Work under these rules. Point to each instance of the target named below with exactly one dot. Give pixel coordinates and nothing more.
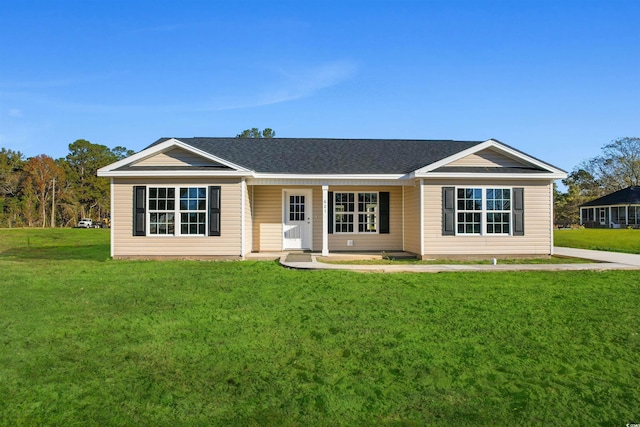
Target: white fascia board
(543, 175)
(166, 146)
(329, 177)
(491, 143)
(174, 173)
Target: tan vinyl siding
(176, 157)
(267, 219)
(486, 158)
(412, 218)
(372, 242)
(125, 244)
(537, 222)
(318, 218)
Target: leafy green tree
(27, 187)
(618, 166)
(256, 133)
(11, 177)
(82, 163)
(581, 188)
(42, 174)
(120, 153)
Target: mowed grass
(91, 341)
(603, 239)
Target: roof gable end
(169, 155)
(177, 157)
(490, 155)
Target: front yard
(91, 341)
(603, 239)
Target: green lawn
(603, 239)
(91, 341)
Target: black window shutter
(518, 211)
(330, 215)
(384, 212)
(448, 211)
(214, 210)
(139, 212)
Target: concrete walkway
(604, 261)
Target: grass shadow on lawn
(61, 244)
(60, 253)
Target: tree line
(617, 167)
(44, 192)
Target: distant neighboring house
(615, 210)
(228, 197)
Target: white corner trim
(243, 189)
(111, 228)
(325, 224)
(552, 218)
(421, 217)
(403, 223)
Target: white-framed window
(469, 210)
(355, 212)
(498, 210)
(177, 211)
(483, 211)
(588, 214)
(296, 208)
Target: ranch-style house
(229, 197)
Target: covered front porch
(610, 216)
(360, 219)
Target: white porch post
(421, 217)
(552, 243)
(580, 219)
(243, 190)
(111, 217)
(626, 215)
(325, 223)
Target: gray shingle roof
(626, 196)
(328, 156)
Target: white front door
(297, 224)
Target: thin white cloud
(288, 84)
(296, 84)
(15, 112)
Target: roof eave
(455, 175)
(259, 175)
(185, 173)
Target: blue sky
(556, 79)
